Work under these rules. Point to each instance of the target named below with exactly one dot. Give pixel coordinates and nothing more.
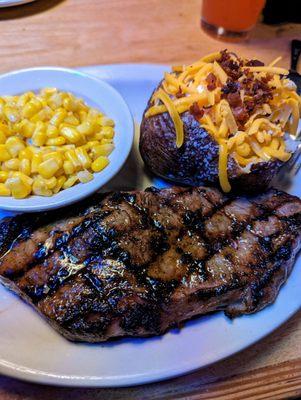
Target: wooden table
(85, 32)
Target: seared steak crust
(138, 263)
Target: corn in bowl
(49, 142)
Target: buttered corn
(49, 142)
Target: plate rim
(40, 377)
(13, 3)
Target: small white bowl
(95, 93)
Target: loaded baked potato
(224, 126)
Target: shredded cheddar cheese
(222, 165)
(220, 73)
(244, 105)
(268, 69)
(161, 95)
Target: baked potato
(197, 160)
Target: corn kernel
(83, 157)
(81, 105)
(97, 136)
(2, 137)
(36, 161)
(39, 136)
(48, 91)
(85, 128)
(82, 115)
(31, 108)
(30, 95)
(52, 131)
(58, 117)
(35, 150)
(4, 191)
(18, 188)
(8, 99)
(86, 147)
(91, 144)
(25, 166)
(4, 153)
(106, 141)
(56, 155)
(65, 148)
(72, 135)
(39, 187)
(59, 184)
(12, 164)
(102, 150)
(59, 172)
(56, 141)
(48, 168)
(84, 176)
(93, 114)
(28, 129)
(43, 115)
(3, 176)
(51, 183)
(99, 164)
(22, 100)
(24, 178)
(14, 145)
(12, 114)
(25, 154)
(68, 167)
(24, 128)
(105, 121)
(55, 101)
(71, 156)
(70, 181)
(69, 104)
(72, 120)
(108, 132)
(5, 129)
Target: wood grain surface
(87, 32)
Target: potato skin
(196, 162)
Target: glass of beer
(230, 19)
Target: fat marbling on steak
(138, 263)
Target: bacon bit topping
(239, 110)
(241, 115)
(196, 111)
(250, 105)
(211, 82)
(231, 67)
(256, 90)
(180, 93)
(234, 99)
(254, 63)
(230, 87)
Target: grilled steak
(138, 263)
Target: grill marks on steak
(138, 263)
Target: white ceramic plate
(95, 93)
(30, 349)
(10, 3)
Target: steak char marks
(138, 263)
